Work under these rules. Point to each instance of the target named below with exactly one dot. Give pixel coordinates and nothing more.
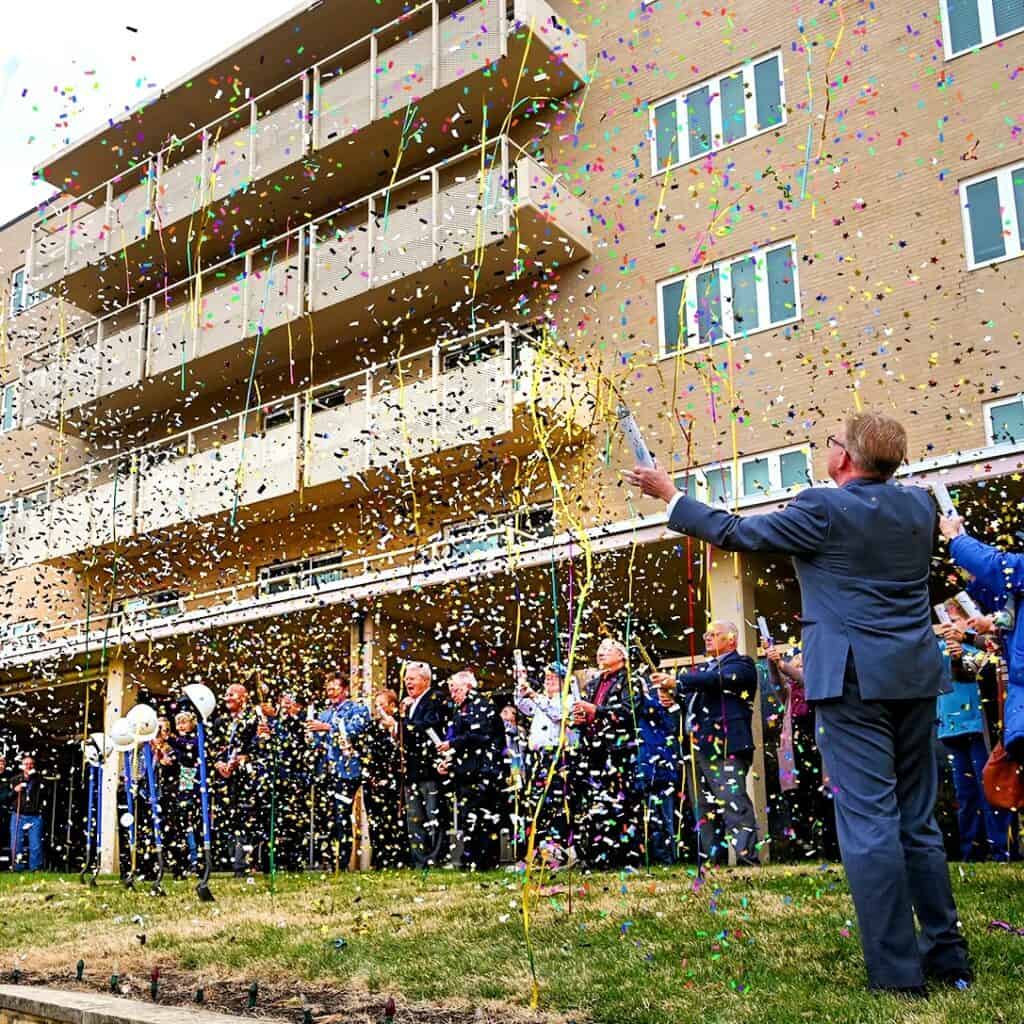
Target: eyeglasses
(833, 440)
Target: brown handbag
(1004, 781)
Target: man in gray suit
(862, 553)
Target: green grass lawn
(772, 946)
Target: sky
(66, 66)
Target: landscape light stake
(79, 970)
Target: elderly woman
(607, 719)
(382, 784)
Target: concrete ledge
(18, 1002)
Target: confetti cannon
(202, 699)
(97, 748)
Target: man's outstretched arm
(799, 528)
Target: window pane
(755, 477)
(794, 469)
(964, 26)
(1009, 15)
(987, 241)
(672, 317)
(1007, 422)
(720, 485)
(743, 275)
(781, 287)
(1018, 199)
(698, 120)
(709, 307)
(734, 115)
(687, 484)
(666, 134)
(768, 92)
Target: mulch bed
(283, 1000)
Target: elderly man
(425, 714)
(475, 743)
(27, 799)
(233, 755)
(862, 552)
(336, 730)
(716, 699)
(607, 719)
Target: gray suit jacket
(862, 554)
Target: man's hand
(314, 726)
(443, 748)
(954, 650)
(263, 730)
(655, 483)
(951, 526)
(222, 769)
(774, 654)
(19, 787)
(583, 711)
(268, 709)
(663, 680)
(442, 768)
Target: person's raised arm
(799, 528)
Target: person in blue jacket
(984, 830)
(337, 730)
(1002, 573)
(658, 771)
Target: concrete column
(731, 597)
(119, 696)
(368, 672)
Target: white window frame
(735, 467)
(1008, 211)
(713, 84)
(986, 22)
(22, 297)
(725, 289)
(12, 388)
(989, 407)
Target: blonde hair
(876, 443)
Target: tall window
(766, 475)
(729, 299)
(718, 112)
(968, 24)
(8, 406)
(993, 214)
(22, 297)
(1004, 421)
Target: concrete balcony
(331, 443)
(471, 221)
(384, 98)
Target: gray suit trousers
(880, 760)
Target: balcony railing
(139, 618)
(462, 393)
(374, 78)
(456, 209)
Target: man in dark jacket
(716, 700)
(476, 745)
(862, 552)
(233, 756)
(610, 824)
(425, 710)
